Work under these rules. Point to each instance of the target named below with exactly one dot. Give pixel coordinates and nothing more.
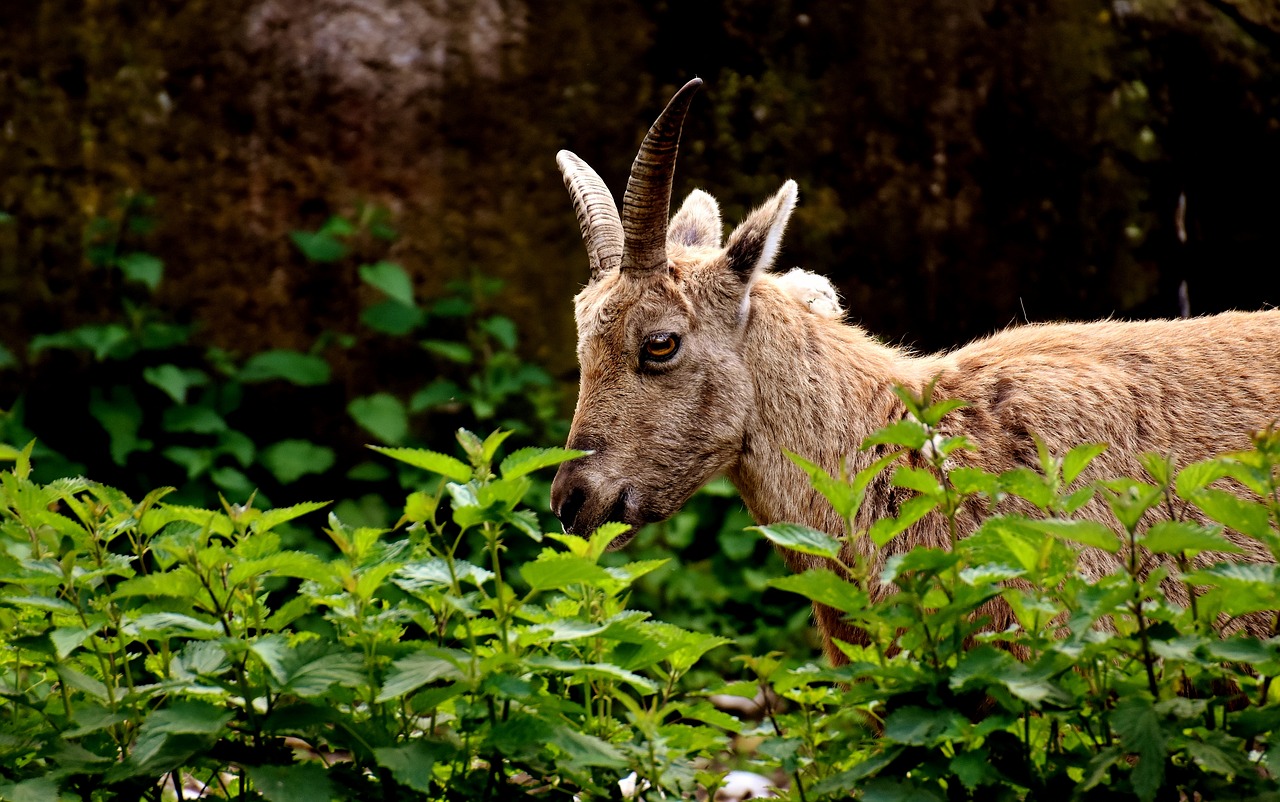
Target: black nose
(568, 510)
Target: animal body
(696, 359)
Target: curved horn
(646, 206)
(597, 213)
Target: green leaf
(155, 626)
(187, 717)
(1185, 537)
(548, 663)
(391, 279)
(302, 782)
(912, 510)
(907, 433)
(885, 789)
(528, 460)
(120, 414)
(918, 479)
(270, 519)
(304, 370)
(296, 564)
(1078, 458)
(1089, 533)
(313, 667)
(1138, 725)
(450, 350)
(583, 750)
(143, 268)
(416, 669)
(801, 538)
(197, 420)
(502, 329)
(444, 465)
(382, 415)
(174, 381)
(40, 789)
(918, 726)
(393, 318)
(824, 587)
(318, 246)
(552, 570)
(439, 392)
(1240, 514)
(413, 763)
(1199, 475)
(290, 460)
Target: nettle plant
(151, 650)
(1103, 690)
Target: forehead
(618, 301)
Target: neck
(821, 387)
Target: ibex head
(666, 392)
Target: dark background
(963, 165)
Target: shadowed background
(963, 166)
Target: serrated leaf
(1243, 515)
(1086, 532)
(301, 782)
(552, 570)
(825, 587)
(312, 668)
(1179, 537)
(801, 538)
(583, 750)
(528, 460)
(270, 519)
(1136, 722)
(416, 669)
(442, 464)
(296, 564)
(413, 763)
(592, 670)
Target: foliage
(152, 647)
(155, 401)
(1102, 690)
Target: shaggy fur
(760, 370)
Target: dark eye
(659, 347)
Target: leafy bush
(153, 647)
(1118, 693)
(143, 396)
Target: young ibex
(697, 360)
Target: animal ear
(697, 222)
(754, 244)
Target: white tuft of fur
(814, 291)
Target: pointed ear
(754, 244)
(697, 222)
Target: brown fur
(758, 372)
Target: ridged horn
(597, 213)
(646, 206)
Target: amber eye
(659, 347)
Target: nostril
(568, 512)
(618, 512)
